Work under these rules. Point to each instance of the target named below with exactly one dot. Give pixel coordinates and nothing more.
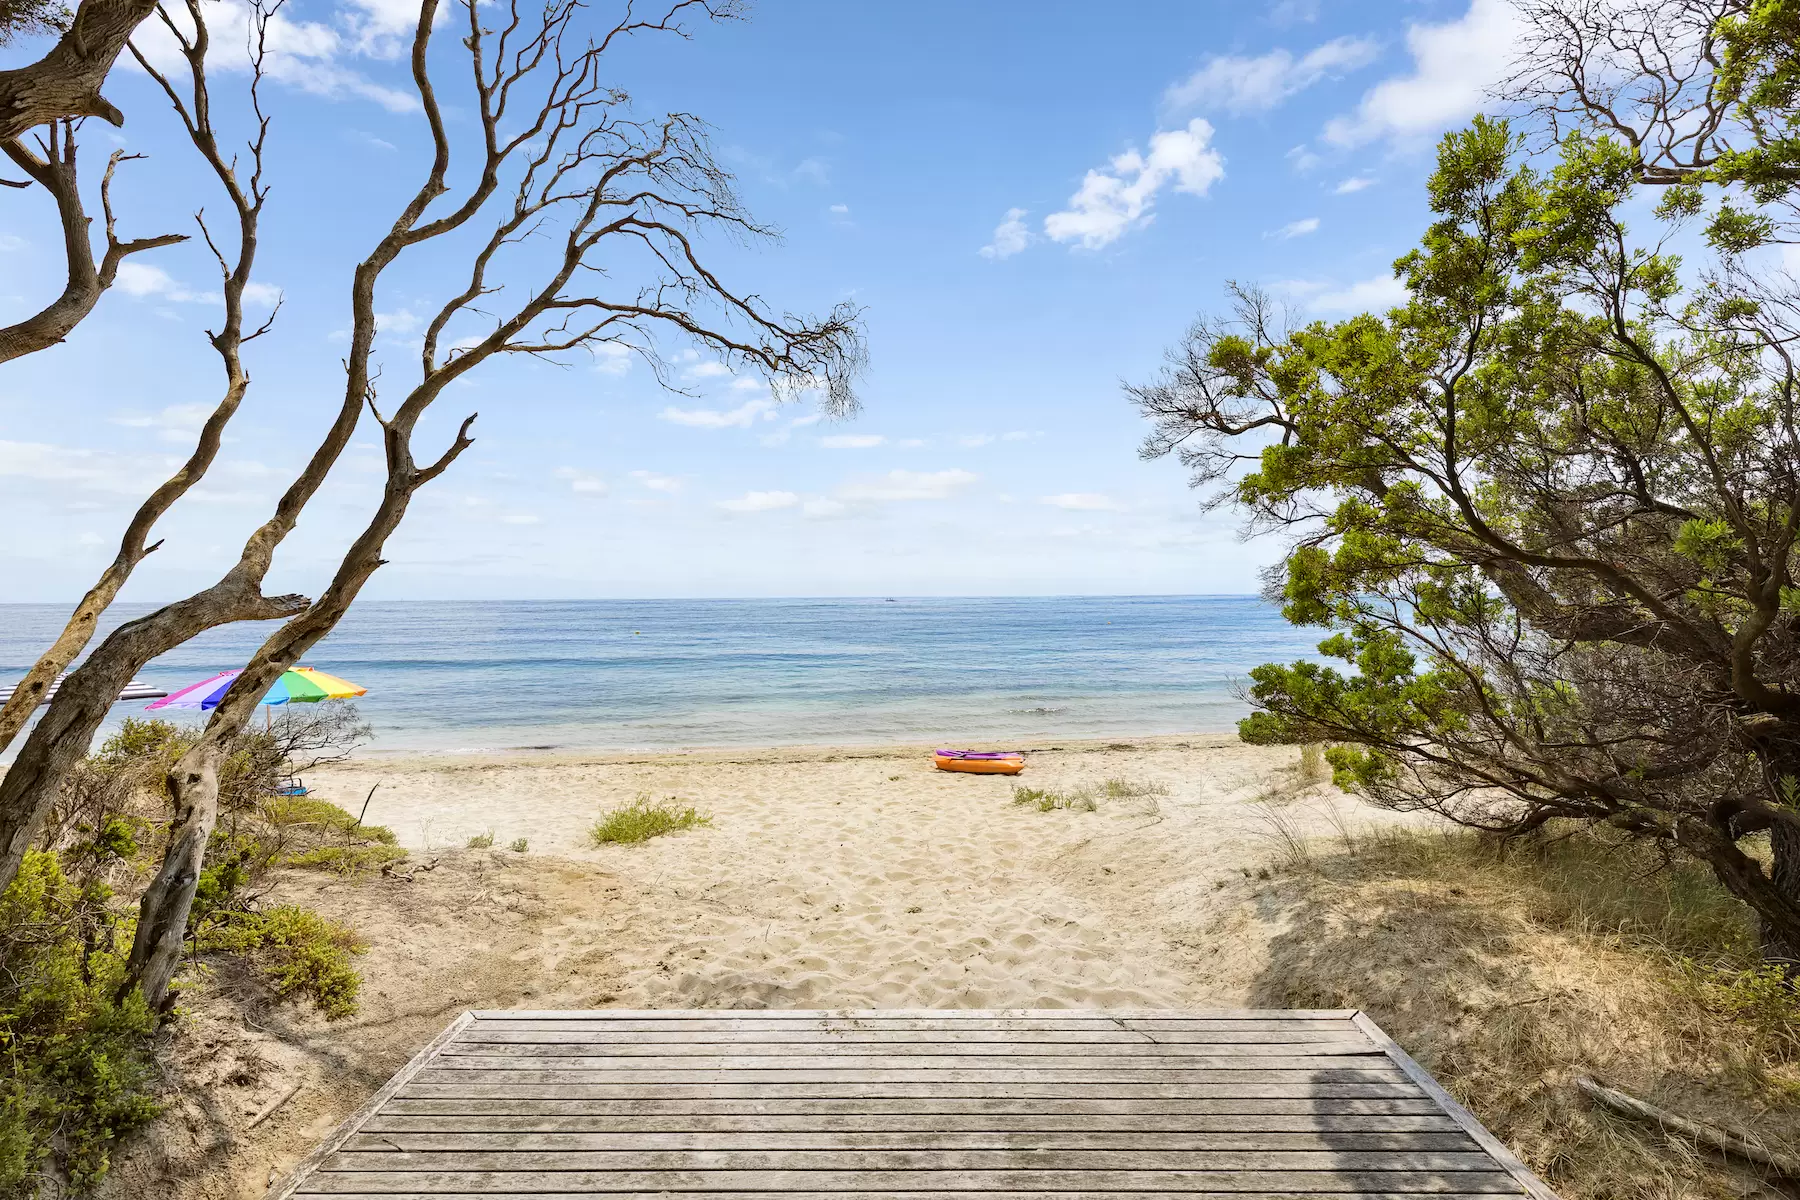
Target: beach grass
(1087, 797)
(481, 841)
(644, 819)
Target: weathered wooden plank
(305, 1167)
(936, 1195)
(1130, 1140)
(1074, 1024)
(946, 1015)
(888, 1182)
(1086, 1106)
(1049, 1090)
(1497, 1149)
(811, 1161)
(1100, 1035)
(728, 1071)
(1152, 1124)
(961, 1053)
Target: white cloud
(658, 483)
(1303, 159)
(9, 241)
(1375, 295)
(973, 440)
(741, 417)
(265, 294)
(706, 370)
(1010, 236)
(585, 482)
(824, 506)
(1355, 183)
(1113, 201)
(521, 519)
(1082, 502)
(83, 470)
(402, 322)
(910, 485)
(1454, 65)
(304, 54)
(1294, 229)
(749, 383)
(1242, 85)
(760, 502)
(611, 358)
(143, 280)
(1019, 435)
(842, 210)
(852, 441)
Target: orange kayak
(977, 762)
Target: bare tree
(1645, 71)
(52, 166)
(597, 183)
(246, 195)
(579, 192)
(66, 82)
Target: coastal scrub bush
(481, 841)
(644, 819)
(519, 846)
(297, 952)
(75, 1064)
(317, 833)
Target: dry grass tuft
(644, 819)
(1087, 797)
(1508, 970)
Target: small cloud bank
(751, 502)
(1010, 236)
(1117, 199)
(1294, 229)
(1240, 84)
(1082, 502)
(910, 485)
(1454, 65)
(741, 417)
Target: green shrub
(301, 812)
(643, 819)
(77, 1065)
(519, 846)
(481, 841)
(298, 952)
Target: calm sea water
(626, 674)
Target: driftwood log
(1725, 1139)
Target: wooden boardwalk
(933, 1104)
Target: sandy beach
(863, 877)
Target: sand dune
(865, 878)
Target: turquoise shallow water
(625, 674)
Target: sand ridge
(863, 877)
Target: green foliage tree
(1547, 510)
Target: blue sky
(1031, 202)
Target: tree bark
(66, 82)
(1773, 895)
(1781, 937)
(31, 785)
(87, 279)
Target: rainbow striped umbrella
(304, 685)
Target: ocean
(659, 674)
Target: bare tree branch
(55, 172)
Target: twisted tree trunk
(30, 786)
(66, 82)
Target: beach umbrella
(302, 685)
